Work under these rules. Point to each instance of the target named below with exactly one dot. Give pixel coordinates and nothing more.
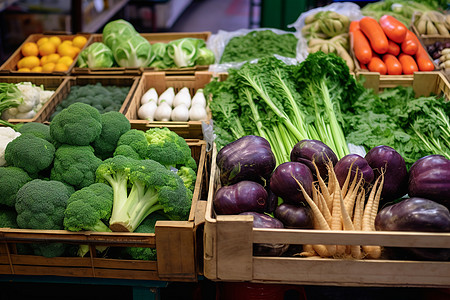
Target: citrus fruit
(44, 60)
(48, 67)
(67, 50)
(28, 62)
(24, 70)
(37, 69)
(54, 57)
(42, 40)
(47, 48)
(60, 67)
(79, 41)
(67, 60)
(67, 42)
(55, 40)
(29, 49)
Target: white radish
(197, 113)
(149, 95)
(180, 113)
(199, 98)
(163, 112)
(182, 97)
(167, 96)
(147, 111)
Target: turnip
(180, 113)
(197, 113)
(149, 95)
(167, 96)
(182, 97)
(163, 112)
(199, 98)
(147, 111)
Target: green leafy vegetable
(96, 55)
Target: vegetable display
(432, 23)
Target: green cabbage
(184, 51)
(134, 52)
(205, 57)
(116, 31)
(96, 55)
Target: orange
(79, 41)
(48, 67)
(37, 69)
(44, 60)
(67, 60)
(24, 70)
(55, 40)
(47, 48)
(28, 62)
(67, 42)
(30, 49)
(42, 40)
(54, 57)
(67, 50)
(60, 67)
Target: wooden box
(53, 83)
(122, 81)
(161, 81)
(228, 254)
(152, 38)
(176, 243)
(10, 66)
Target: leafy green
(96, 55)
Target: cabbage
(96, 55)
(134, 52)
(116, 31)
(205, 56)
(184, 51)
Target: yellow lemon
(56, 40)
(42, 40)
(47, 48)
(29, 49)
(24, 70)
(37, 69)
(60, 67)
(44, 60)
(67, 60)
(67, 42)
(28, 62)
(79, 41)
(67, 50)
(54, 57)
(48, 67)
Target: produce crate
(161, 81)
(54, 83)
(10, 66)
(176, 243)
(152, 38)
(48, 109)
(228, 254)
(424, 36)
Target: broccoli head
(31, 153)
(38, 129)
(89, 209)
(75, 165)
(132, 143)
(40, 204)
(188, 176)
(12, 179)
(79, 124)
(147, 226)
(8, 218)
(114, 124)
(140, 188)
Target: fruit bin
(53, 83)
(229, 239)
(152, 38)
(161, 81)
(122, 81)
(10, 65)
(176, 243)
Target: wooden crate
(424, 36)
(176, 243)
(10, 66)
(228, 254)
(122, 81)
(53, 83)
(152, 38)
(161, 81)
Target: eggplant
(395, 172)
(283, 184)
(240, 197)
(294, 216)
(429, 177)
(266, 221)
(247, 158)
(416, 214)
(272, 200)
(354, 161)
(307, 151)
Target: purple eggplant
(354, 161)
(395, 172)
(272, 200)
(294, 216)
(247, 158)
(266, 221)
(283, 184)
(307, 151)
(240, 197)
(429, 177)
(416, 214)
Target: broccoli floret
(136, 140)
(79, 124)
(89, 209)
(188, 176)
(40, 204)
(140, 188)
(127, 151)
(12, 179)
(8, 218)
(147, 226)
(31, 153)
(38, 129)
(75, 165)
(114, 124)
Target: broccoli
(114, 124)
(134, 139)
(12, 179)
(159, 144)
(75, 165)
(8, 218)
(126, 150)
(31, 153)
(88, 209)
(152, 187)
(147, 226)
(38, 129)
(188, 176)
(79, 124)
(40, 204)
